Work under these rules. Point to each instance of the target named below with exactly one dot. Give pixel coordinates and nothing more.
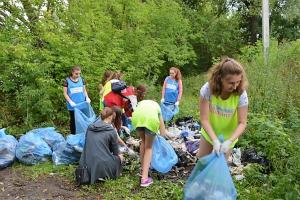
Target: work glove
(225, 146)
(88, 100)
(162, 100)
(177, 103)
(72, 103)
(217, 146)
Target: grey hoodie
(101, 152)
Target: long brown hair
(118, 119)
(141, 91)
(178, 75)
(106, 77)
(227, 66)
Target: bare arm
(121, 142)
(242, 122)
(66, 94)
(163, 90)
(85, 92)
(101, 89)
(180, 90)
(162, 128)
(204, 118)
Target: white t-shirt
(205, 93)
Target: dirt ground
(14, 186)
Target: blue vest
(171, 90)
(75, 92)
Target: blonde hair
(227, 66)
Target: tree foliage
(41, 40)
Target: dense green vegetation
(143, 39)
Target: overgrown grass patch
(33, 172)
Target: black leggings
(72, 122)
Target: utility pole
(265, 25)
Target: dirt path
(14, 186)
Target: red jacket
(115, 99)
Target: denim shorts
(145, 130)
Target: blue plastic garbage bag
(64, 154)
(8, 145)
(49, 135)
(84, 116)
(2, 132)
(210, 180)
(168, 110)
(32, 149)
(163, 155)
(76, 141)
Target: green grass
(125, 187)
(33, 172)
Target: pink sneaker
(146, 182)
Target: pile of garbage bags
(41, 144)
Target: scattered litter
(174, 132)
(128, 151)
(236, 156)
(239, 177)
(251, 156)
(132, 141)
(192, 146)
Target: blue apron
(171, 90)
(75, 92)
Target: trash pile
(240, 160)
(184, 136)
(38, 145)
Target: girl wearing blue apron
(172, 88)
(74, 93)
